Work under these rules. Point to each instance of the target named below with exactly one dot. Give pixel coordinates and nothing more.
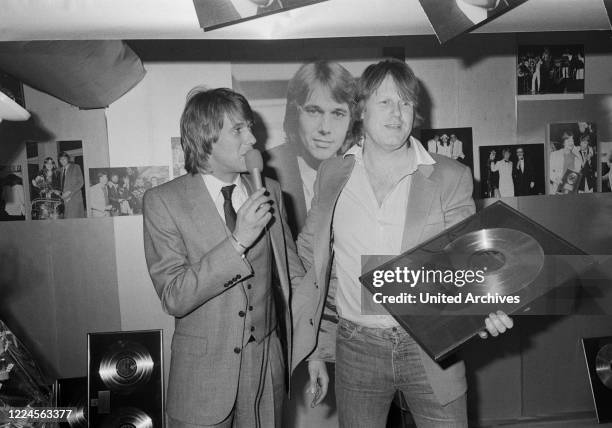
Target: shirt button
(252, 328)
(237, 350)
(241, 313)
(249, 286)
(250, 308)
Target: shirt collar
(214, 185)
(419, 155)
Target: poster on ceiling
(213, 14)
(450, 18)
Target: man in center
(383, 196)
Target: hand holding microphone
(255, 213)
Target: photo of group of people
(507, 171)
(119, 191)
(12, 195)
(572, 158)
(455, 143)
(554, 69)
(55, 173)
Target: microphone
(254, 163)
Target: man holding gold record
(383, 196)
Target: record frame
(441, 331)
(602, 394)
(108, 402)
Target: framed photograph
(12, 195)
(515, 170)
(572, 146)
(455, 143)
(12, 88)
(214, 14)
(55, 176)
(550, 69)
(450, 18)
(606, 166)
(119, 191)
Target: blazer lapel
(420, 198)
(329, 194)
(203, 210)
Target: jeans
(371, 364)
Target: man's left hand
(495, 324)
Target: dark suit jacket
(73, 183)
(522, 179)
(440, 196)
(199, 278)
(282, 165)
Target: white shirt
(361, 226)
(308, 176)
(214, 185)
(246, 8)
(445, 150)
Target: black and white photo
(450, 18)
(55, 175)
(119, 191)
(219, 13)
(572, 146)
(454, 143)
(12, 196)
(512, 170)
(550, 69)
(303, 116)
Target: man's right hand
(252, 217)
(319, 381)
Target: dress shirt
(362, 226)
(214, 185)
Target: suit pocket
(188, 345)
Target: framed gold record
(522, 268)
(598, 356)
(125, 379)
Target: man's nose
(250, 139)
(324, 124)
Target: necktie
(228, 208)
(63, 177)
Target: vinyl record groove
(603, 365)
(125, 366)
(510, 258)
